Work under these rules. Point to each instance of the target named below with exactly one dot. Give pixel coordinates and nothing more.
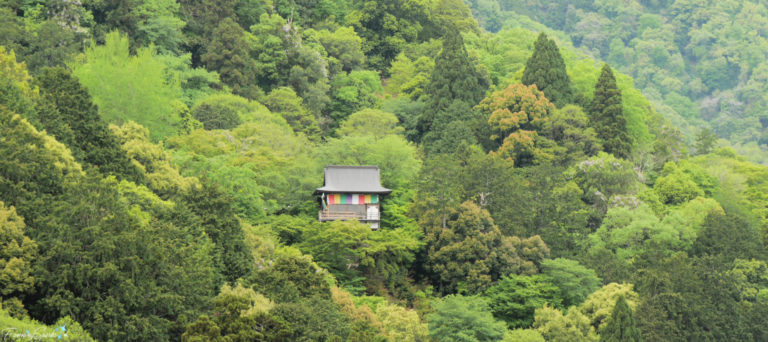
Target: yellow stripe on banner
(367, 198)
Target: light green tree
(17, 253)
(575, 281)
(515, 298)
(126, 87)
(370, 122)
(401, 324)
(285, 102)
(458, 318)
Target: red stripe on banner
(361, 199)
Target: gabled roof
(352, 179)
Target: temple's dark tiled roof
(352, 179)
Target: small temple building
(352, 193)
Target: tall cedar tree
(546, 69)
(228, 54)
(79, 124)
(231, 256)
(202, 17)
(454, 79)
(607, 115)
(621, 326)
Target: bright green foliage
(285, 102)
(575, 281)
(395, 157)
(268, 46)
(344, 48)
(607, 116)
(705, 141)
(290, 278)
(387, 26)
(409, 78)
(126, 87)
(689, 217)
(196, 83)
(92, 142)
(19, 96)
(228, 54)
(515, 298)
(454, 14)
(162, 177)
(17, 328)
(470, 253)
(458, 318)
(677, 187)
(365, 325)
(349, 249)
(515, 116)
(239, 314)
(546, 69)
(158, 24)
(288, 229)
(569, 127)
(401, 324)
(312, 12)
(353, 92)
(17, 253)
(17, 76)
(31, 176)
(741, 185)
(455, 87)
(263, 166)
(751, 278)
(283, 59)
(703, 179)
(370, 122)
(602, 177)
(571, 327)
(620, 326)
(627, 232)
(523, 335)
(599, 305)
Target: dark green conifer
(621, 326)
(456, 86)
(217, 217)
(607, 115)
(74, 120)
(228, 54)
(546, 69)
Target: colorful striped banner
(353, 198)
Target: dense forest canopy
(560, 171)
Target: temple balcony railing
(324, 215)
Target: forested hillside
(561, 171)
(702, 63)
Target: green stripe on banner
(374, 199)
(343, 199)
